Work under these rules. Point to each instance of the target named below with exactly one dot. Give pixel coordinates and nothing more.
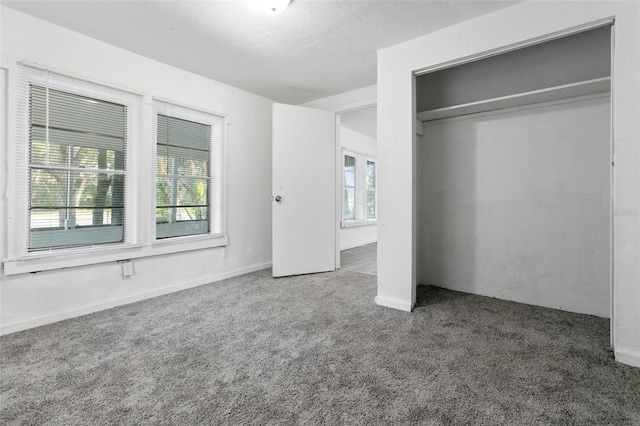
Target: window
(77, 175)
(82, 174)
(349, 210)
(188, 150)
(371, 189)
(359, 189)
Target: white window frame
(19, 222)
(361, 190)
(46, 241)
(217, 167)
(139, 205)
(355, 186)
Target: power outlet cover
(127, 268)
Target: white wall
(356, 236)
(341, 102)
(506, 28)
(358, 142)
(32, 299)
(514, 205)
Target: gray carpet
(316, 350)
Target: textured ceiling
(311, 50)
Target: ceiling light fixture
(274, 6)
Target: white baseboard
(48, 319)
(394, 303)
(629, 356)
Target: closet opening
(514, 174)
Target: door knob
(278, 198)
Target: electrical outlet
(127, 268)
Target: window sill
(353, 223)
(69, 258)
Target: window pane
(55, 218)
(184, 228)
(349, 195)
(163, 214)
(349, 171)
(371, 190)
(63, 199)
(192, 192)
(349, 178)
(162, 164)
(371, 174)
(177, 192)
(182, 190)
(192, 167)
(371, 204)
(69, 207)
(76, 113)
(62, 188)
(55, 151)
(177, 132)
(349, 200)
(349, 211)
(349, 161)
(41, 238)
(191, 213)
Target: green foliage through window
(183, 177)
(77, 169)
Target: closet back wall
(514, 205)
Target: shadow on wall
(427, 295)
(447, 204)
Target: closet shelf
(572, 90)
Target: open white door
(304, 190)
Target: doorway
(357, 189)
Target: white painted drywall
(33, 299)
(356, 236)
(357, 142)
(352, 99)
(514, 205)
(490, 33)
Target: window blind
(189, 172)
(72, 141)
(77, 169)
